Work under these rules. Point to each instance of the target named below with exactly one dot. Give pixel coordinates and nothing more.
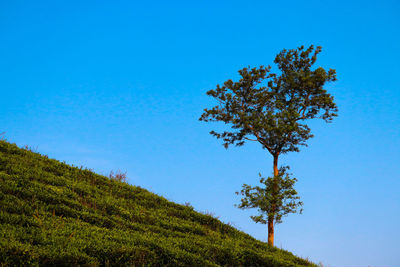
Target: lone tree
(273, 109)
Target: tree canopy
(273, 108)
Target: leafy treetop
(271, 108)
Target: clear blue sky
(120, 85)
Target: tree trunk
(276, 172)
(271, 231)
(273, 208)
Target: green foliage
(271, 108)
(53, 214)
(275, 199)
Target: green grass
(55, 214)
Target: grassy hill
(55, 214)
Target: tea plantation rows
(53, 214)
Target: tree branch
(303, 110)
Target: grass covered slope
(55, 214)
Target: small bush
(2, 137)
(117, 176)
